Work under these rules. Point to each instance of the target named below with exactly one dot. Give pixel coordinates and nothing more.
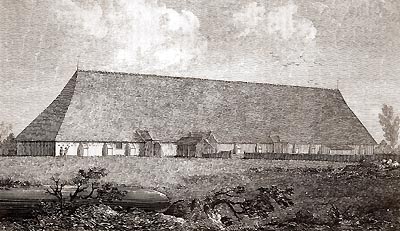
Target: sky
(352, 45)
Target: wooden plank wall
(36, 148)
(223, 155)
(319, 157)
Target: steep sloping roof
(110, 106)
(275, 139)
(144, 135)
(190, 140)
(46, 126)
(196, 137)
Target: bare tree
(390, 125)
(57, 191)
(87, 188)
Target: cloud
(281, 31)
(282, 21)
(248, 18)
(292, 36)
(77, 18)
(138, 35)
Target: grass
(142, 172)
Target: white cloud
(281, 21)
(281, 30)
(141, 35)
(292, 36)
(88, 20)
(248, 18)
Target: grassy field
(155, 173)
(318, 186)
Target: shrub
(87, 189)
(7, 183)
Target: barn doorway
(157, 149)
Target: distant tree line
(390, 123)
(8, 144)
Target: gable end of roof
(46, 125)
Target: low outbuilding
(196, 144)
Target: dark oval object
(18, 201)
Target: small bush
(8, 182)
(88, 189)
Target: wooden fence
(320, 157)
(222, 154)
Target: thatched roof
(46, 126)
(107, 106)
(189, 140)
(194, 138)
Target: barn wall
(241, 148)
(244, 148)
(225, 147)
(341, 152)
(325, 150)
(317, 149)
(135, 148)
(199, 149)
(300, 149)
(148, 149)
(281, 148)
(305, 149)
(266, 148)
(360, 150)
(180, 150)
(357, 150)
(71, 148)
(96, 148)
(169, 149)
(116, 151)
(205, 148)
(364, 149)
(35, 148)
(247, 147)
(261, 147)
(185, 150)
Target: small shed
(196, 144)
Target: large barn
(107, 113)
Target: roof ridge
(74, 78)
(203, 78)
